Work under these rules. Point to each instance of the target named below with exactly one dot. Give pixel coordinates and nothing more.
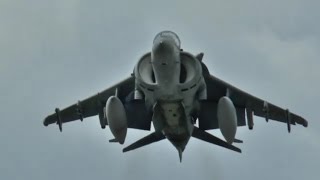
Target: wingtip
(305, 124)
(236, 149)
(45, 122)
(126, 149)
(302, 121)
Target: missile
(249, 113)
(288, 117)
(266, 110)
(102, 118)
(79, 111)
(59, 121)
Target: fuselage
(171, 83)
(169, 88)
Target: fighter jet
(173, 89)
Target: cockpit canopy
(167, 35)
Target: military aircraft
(173, 89)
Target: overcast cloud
(53, 53)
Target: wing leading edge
(94, 105)
(243, 101)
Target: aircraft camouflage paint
(173, 89)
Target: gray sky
(53, 53)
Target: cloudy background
(53, 53)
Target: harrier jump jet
(172, 89)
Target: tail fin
(151, 138)
(202, 135)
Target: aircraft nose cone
(161, 46)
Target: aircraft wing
(94, 105)
(243, 101)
